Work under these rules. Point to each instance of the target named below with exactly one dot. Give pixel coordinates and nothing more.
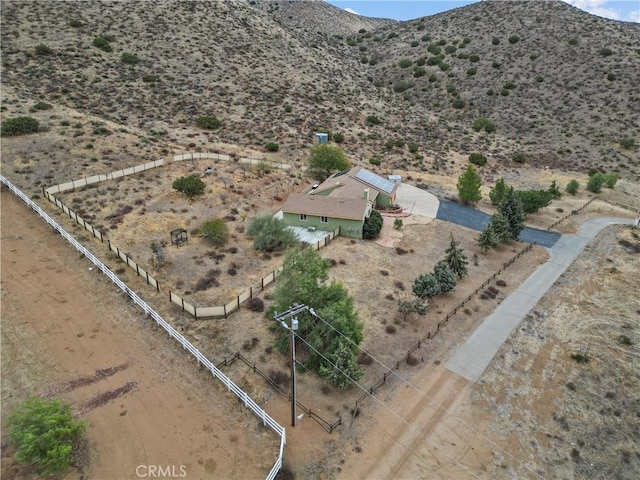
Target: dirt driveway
(68, 333)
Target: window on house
(324, 219)
(303, 217)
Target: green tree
(216, 231)
(595, 182)
(501, 228)
(326, 159)
(425, 286)
(513, 211)
(572, 187)
(191, 186)
(304, 280)
(345, 368)
(445, 276)
(270, 234)
(610, 179)
(372, 226)
(498, 192)
(487, 239)
(456, 259)
(534, 200)
(469, 184)
(44, 433)
(19, 126)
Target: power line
(408, 424)
(437, 404)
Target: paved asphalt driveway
(476, 353)
(477, 220)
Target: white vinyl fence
(248, 402)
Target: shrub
(191, 186)
(510, 85)
(444, 66)
(504, 92)
(255, 304)
(514, 39)
(272, 147)
(373, 120)
(75, 23)
(580, 357)
(610, 179)
(42, 106)
(539, 79)
(474, 58)
(421, 61)
(628, 143)
(496, 64)
(44, 434)
(572, 187)
(495, 41)
(446, 278)
(215, 231)
(402, 85)
(478, 159)
(19, 126)
(43, 50)
(425, 38)
(459, 103)
(338, 137)
(433, 61)
(374, 161)
(102, 44)
(129, 58)
(405, 63)
(595, 182)
(426, 286)
(419, 72)
(372, 226)
(270, 234)
(208, 122)
(534, 200)
(611, 77)
(519, 157)
(605, 52)
(450, 49)
(481, 123)
(472, 71)
(150, 78)
(573, 41)
(397, 224)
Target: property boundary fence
(186, 345)
(196, 312)
(328, 426)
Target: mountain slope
(564, 94)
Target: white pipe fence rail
(244, 397)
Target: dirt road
(68, 333)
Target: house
(343, 200)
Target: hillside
(563, 93)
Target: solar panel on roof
(375, 180)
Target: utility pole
(292, 313)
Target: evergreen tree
(456, 259)
(513, 211)
(445, 276)
(498, 192)
(501, 228)
(426, 286)
(487, 239)
(469, 184)
(554, 191)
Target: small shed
(322, 137)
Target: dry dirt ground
(67, 333)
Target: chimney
(365, 194)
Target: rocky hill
(558, 85)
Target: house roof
(330, 206)
(351, 184)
